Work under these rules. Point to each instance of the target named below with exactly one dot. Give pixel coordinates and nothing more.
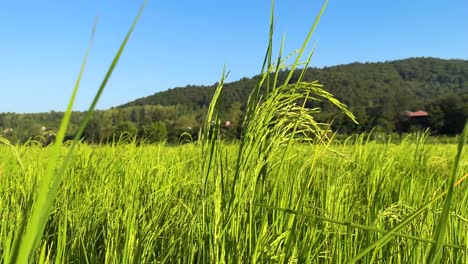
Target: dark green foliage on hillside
(449, 113)
(154, 132)
(377, 94)
(125, 130)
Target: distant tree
(92, 130)
(234, 114)
(154, 132)
(105, 132)
(125, 131)
(450, 113)
(135, 115)
(437, 117)
(186, 121)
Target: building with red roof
(418, 113)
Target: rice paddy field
(316, 203)
(284, 193)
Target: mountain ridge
(406, 71)
(378, 94)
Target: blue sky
(187, 42)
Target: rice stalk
(49, 184)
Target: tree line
(377, 93)
(148, 124)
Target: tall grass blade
(355, 225)
(305, 43)
(39, 210)
(389, 235)
(47, 191)
(439, 236)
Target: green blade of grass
(50, 183)
(359, 226)
(389, 235)
(305, 43)
(39, 213)
(14, 151)
(439, 236)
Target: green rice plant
(275, 118)
(38, 208)
(434, 255)
(144, 203)
(284, 193)
(440, 233)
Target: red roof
(418, 113)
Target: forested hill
(410, 82)
(375, 92)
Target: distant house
(410, 121)
(417, 114)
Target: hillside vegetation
(377, 94)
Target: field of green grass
(282, 194)
(319, 204)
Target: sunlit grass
(145, 204)
(283, 193)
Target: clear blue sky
(187, 42)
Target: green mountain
(377, 93)
(358, 84)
